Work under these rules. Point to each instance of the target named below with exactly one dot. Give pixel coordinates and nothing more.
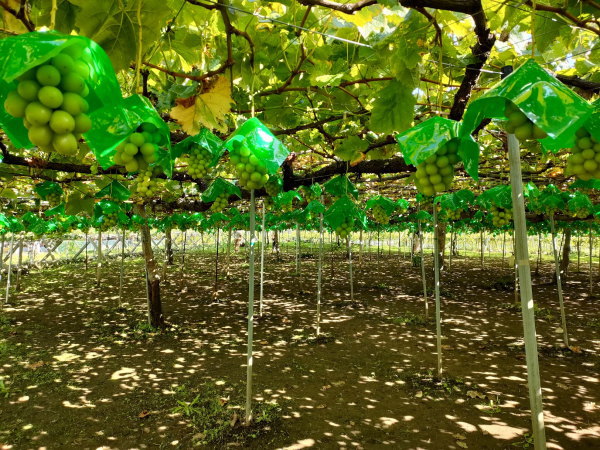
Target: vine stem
(561, 302)
(53, 14)
(436, 268)
(138, 63)
(249, 356)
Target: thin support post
(438, 314)
(19, 265)
(215, 290)
(12, 244)
(249, 356)
(99, 259)
(350, 267)
(423, 276)
(297, 248)
(561, 303)
(320, 271)
(591, 273)
(527, 305)
(122, 269)
(263, 243)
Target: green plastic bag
(425, 139)
(388, 205)
(115, 122)
(261, 142)
(339, 186)
(284, 201)
(218, 187)
(547, 102)
(344, 210)
(58, 210)
(48, 188)
(500, 196)
(549, 200)
(580, 205)
(204, 141)
(315, 207)
(115, 191)
(18, 54)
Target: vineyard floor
(78, 372)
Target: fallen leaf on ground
(234, 419)
(461, 444)
(475, 394)
(459, 437)
(575, 349)
(144, 414)
(419, 394)
(36, 365)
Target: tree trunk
(566, 256)
(19, 267)
(155, 313)
(169, 246)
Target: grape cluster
(584, 161)
(500, 216)
(198, 163)
(250, 171)
(139, 150)
(50, 98)
(220, 202)
(380, 215)
(273, 187)
(345, 228)
(453, 214)
(109, 220)
(581, 213)
(520, 125)
(309, 195)
(146, 185)
(53, 198)
(436, 173)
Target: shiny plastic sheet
(218, 187)
(20, 53)
(205, 140)
(261, 142)
(547, 102)
(425, 139)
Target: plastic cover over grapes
(340, 211)
(341, 185)
(114, 123)
(547, 102)
(388, 205)
(425, 139)
(47, 188)
(261, 142)
(18, 54)
(206, 140)
(218, 187)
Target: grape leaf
(393, 109)
(205, 110)
(351, 148)
(114, 25)
(79, 203)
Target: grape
(453, 214)
(15, 105)
(581, 213)
(50, 100)
(109, 220)
(500, 216)
(436, 173)
(220, 202)
(519, 124)
(308, 193)
(53, 198)
(146, 185)
(135, 152)
(380, 215)
(584, 161)
(343, 230)
(250, 171)
(198, 162)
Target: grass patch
(216, 417)
(412, 319)
(540, 313)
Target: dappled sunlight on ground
(82, 373)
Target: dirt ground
(79, 373)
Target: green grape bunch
(146, 185)
(220, 202)
(584, 160)
(436, 173)
(109, 220)
(51, 100)
(379, 215)
(54, 198)
(273, 187)
(501, 216)
(250, 171)
(453, 214)
(139, 150)
(580, 213)
(344, 229)
(520, 125)
(198, 162)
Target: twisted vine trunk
(169, 246)
(155, 313)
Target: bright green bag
(18, 54)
